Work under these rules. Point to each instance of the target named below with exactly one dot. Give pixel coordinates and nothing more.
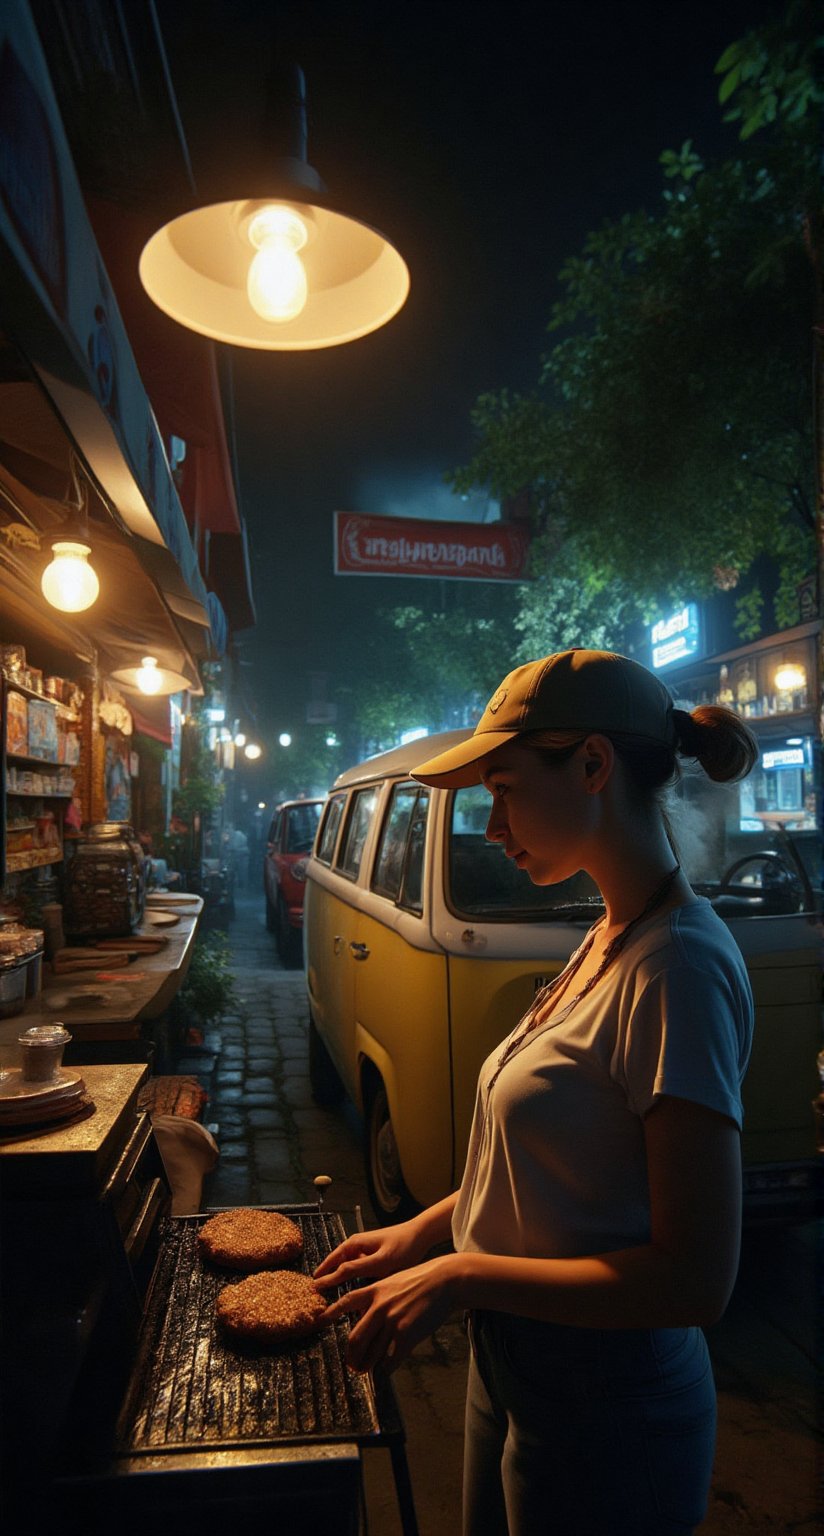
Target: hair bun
(724, 746)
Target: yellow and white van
(424, 944)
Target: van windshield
(483, 882)
(748, 862)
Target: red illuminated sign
(401, 546)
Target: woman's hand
(395, 1313)
(371, 1255)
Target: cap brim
(461, 765)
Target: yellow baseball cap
(575, 690)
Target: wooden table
(134, 999)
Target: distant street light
(285, 739)
(252, 751)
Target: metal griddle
(192, 1390)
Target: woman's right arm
(372, 1255)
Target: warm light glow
(285, 739)
(240, 739)
(277, 285)
(790, 678)
(70, 583)
(261, 805)
(196, 269)
(149, 679)
(252, 751)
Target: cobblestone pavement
(274, 1140)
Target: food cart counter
(107, 1006)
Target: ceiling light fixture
(151, 680)
(69, 582)
(281, 271)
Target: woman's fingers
(352, 1301)
(345, 1250)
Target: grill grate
(191, 1390)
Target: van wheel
(387, 1191)
(271, 920)
(327, 1089)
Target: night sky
(486, 140)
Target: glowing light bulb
(252, 751)
(240, 739)
(276, 286)
(285, 739)
(149, 679)
(70, 583)
(790, 678)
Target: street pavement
(274, 1140)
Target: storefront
(82, 456)
(774, 685)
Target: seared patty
(268, 1308)
(247, 1239)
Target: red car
(291, 835)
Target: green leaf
(729, 57)
(729, 84)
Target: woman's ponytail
(724, 746)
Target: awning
(58, 308)
(179, 370)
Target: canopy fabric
(152, 717)
(178, 369)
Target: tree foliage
(668, 441)
(435, 663)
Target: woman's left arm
(684, 1275)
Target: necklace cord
(612, 949)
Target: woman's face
(541, 811)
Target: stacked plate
(26, 1103)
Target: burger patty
(248, 1239)
(268, 1308)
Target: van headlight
(299, 869)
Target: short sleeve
(689, 1035)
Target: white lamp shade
(161, 680)
(69, 582)
(196, 269)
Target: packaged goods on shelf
(42, 730)
(17, 724)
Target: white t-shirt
(556, 1166)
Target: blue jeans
(586, 1432)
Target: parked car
(291, 835)
(423, 946)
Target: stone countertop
(131, 996)
(76, 1156)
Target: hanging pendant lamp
(279, 270)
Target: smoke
(421, 493)
(699, 813)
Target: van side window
(412, 892)
(329, 830)
(361, 809)
(386, 879)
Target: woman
(597, 1225)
